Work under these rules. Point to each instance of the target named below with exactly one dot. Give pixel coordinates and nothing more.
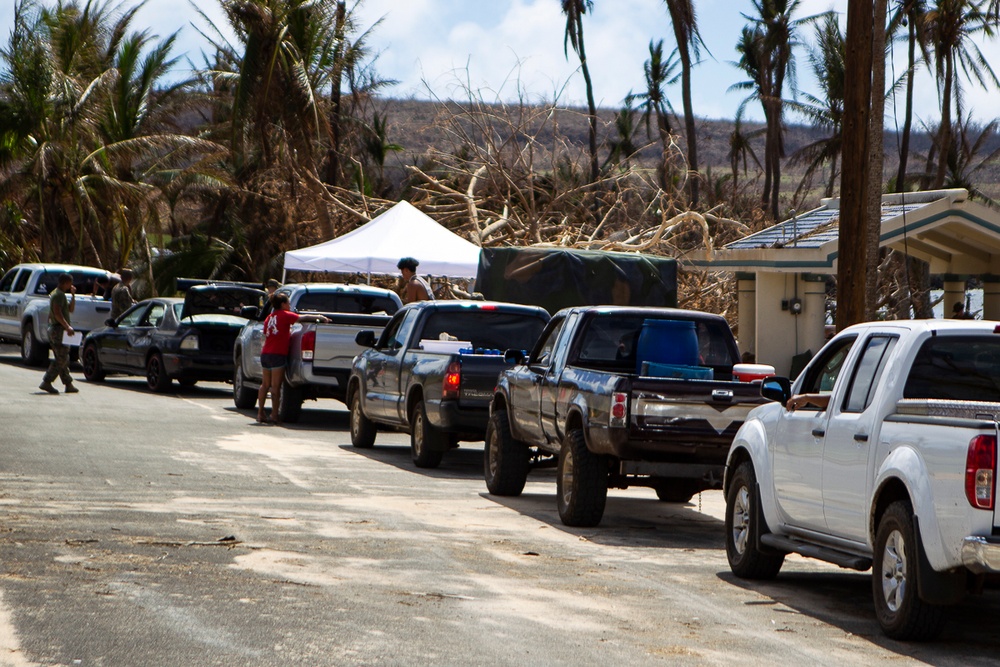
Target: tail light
(452, 380)
(619, 409)
(308, 345)
(980, 472)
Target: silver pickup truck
(320, 355)
(24, 305)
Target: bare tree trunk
(852, 260)
(876, 157)
(904, 143)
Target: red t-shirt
(277, 331)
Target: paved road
(171, 530)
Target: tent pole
(284, 274)
(369, 277)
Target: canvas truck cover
(556, 278)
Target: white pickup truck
(892, 467)
(24, 305)
(320, 355)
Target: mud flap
(937, 587)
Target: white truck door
(11, 304)
(851, 442)
(800, 438)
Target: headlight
(189, 342)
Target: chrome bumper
(981, 555)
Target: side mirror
(110, 322)
(777, 389)
(514, 357)
(365, 338)
(250, 312)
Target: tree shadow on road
(843, 599)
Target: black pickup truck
(433, 371)
(623, 397)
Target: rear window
(83, 281)
(611, 343)
(486, 328)
(351, 304)
(961, 368)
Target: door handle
(818, 432)
(861, 437)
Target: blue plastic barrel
(672, 342)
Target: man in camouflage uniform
(121, 295)
(60, 307)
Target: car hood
(219, 299)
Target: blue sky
(432, 47)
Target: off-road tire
(363, 430)
(505, 460)
(427, 444)
(290, 406)
(900, 611)
(677, 489)
(743, 531)
(243, 396)
(156, 374)
(91, 362)
(33, 351)
(581, 482)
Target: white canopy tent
(377, 246)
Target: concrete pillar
(991, 298)
(812, 321)
(746, 312)
(781, 334)
(954, 291)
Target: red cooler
(752, 372)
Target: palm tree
(952, 27)
(767, 54)
(83, 138)
(825, 111)
(574, 11)
(682, 17)
(623, 145)
(740, 148)
(654, 103)
(910, 13)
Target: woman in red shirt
(274, 353)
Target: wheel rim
(355, 418)
(153, 372)
(894, 571)
(418, 431)
(567, 478)
(741, 520)
(27, 346)
(238, 382)
(89, 362)
(494, 455)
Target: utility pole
(852, 260)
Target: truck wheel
(900, 611)
(581, 483)
(33, 351)
(243, 396)
(676, 489)
(362, 429)
(427, 444)
(156, 374)
(290, 406)
(505, 460)
(746, 560)
(92, 369)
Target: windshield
(488, 329)
(208, 318)
(83, 280)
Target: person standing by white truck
(881, 455)
(61, 308)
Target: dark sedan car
(187, 339)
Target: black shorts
(273, 361)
